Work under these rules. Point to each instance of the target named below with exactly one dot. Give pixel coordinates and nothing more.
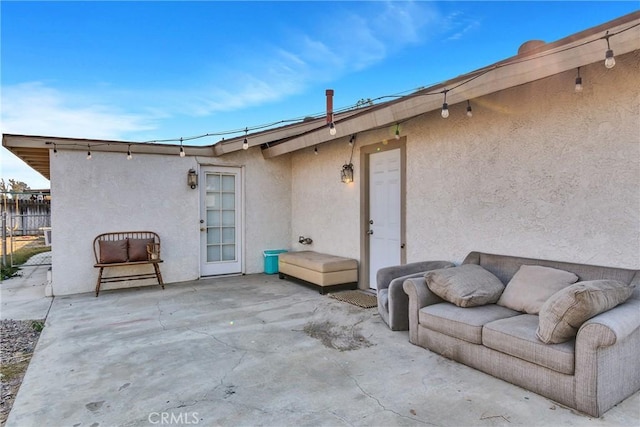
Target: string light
(245, 143)
(609, 60)
(55, 149)
(420, 91)
(397, 130)
(445, 107)
(469, 109)
(129, 156)
(315, 151)
(578, 82)
(352, 139)
(332, 129)
(88, 152)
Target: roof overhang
(578, 50)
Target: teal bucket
(271, 260)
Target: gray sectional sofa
(591, 372)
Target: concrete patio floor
(256, 350)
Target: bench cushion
(315, 261)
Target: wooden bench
(127, 249)
(329, 272)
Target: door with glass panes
(221, 214)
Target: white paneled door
(220, 220)
(385, 213)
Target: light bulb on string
(469, 109)
(445, 107)
(315, 151)
(245, 143)
(129, 156)
(397, 131)
(578, 87)
(332, 129)
(182, 153)
(55, 149)
(88, 152)
(609, 60)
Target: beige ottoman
(329, 272)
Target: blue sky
(141, 71)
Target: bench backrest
(122, 235)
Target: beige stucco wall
(323, 207)
(149, 192)
(538, 171)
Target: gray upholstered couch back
(504, 267)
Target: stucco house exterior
(538, 171)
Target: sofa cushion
(113, 251)
(563, 314)
(516, 336)
(463, 323)
(316, 261)
(465, 286)
(532, 285)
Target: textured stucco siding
(323, 207)
(149, 192)
(538, 171)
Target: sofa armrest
(607, 362)
(419, 296)
(385, 275)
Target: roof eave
(569, 53)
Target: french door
(221, 220)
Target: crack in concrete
(384, 408)
(160, 316)
(216, 339)
(341, 418)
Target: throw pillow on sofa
(563, 314)
(468, 285)
(532, 285)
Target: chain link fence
(26, 228)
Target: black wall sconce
(192, 178)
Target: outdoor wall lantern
(347, 173)
(192, 178)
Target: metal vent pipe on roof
(329, 93)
